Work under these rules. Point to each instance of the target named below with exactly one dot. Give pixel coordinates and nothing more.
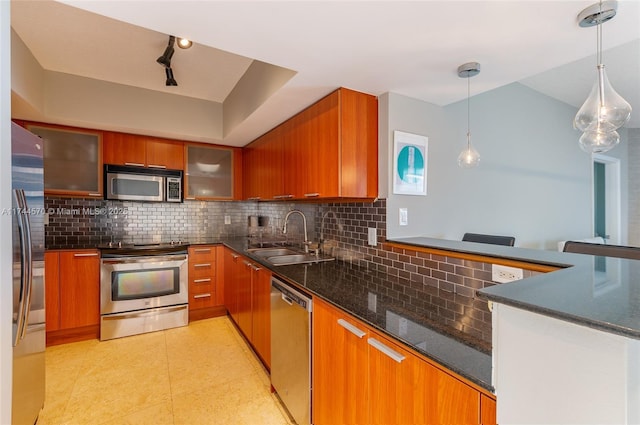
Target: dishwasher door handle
(286, 299)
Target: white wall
(533, 181)
(6, 296)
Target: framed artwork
(409, 164)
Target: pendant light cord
(468, 112)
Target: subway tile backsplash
(412, 278)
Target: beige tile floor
(200, 374)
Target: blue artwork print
(410, 165)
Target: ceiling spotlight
(165, 59)
(170, 80)
(183, 43)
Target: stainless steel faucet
(304, 224)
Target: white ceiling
(408, 47)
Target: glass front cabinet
(72, 160)
(209, 172)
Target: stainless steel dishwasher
(291, 349)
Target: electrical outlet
(372, 301)
(404, 216)
(504, 274)
(372, 236)
(227, 219)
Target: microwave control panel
(174, 189)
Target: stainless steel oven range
(143, 288)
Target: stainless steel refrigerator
(28, 276)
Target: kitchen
(395, 103)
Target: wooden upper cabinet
(142, 151)
(327, 151)
(72, 159)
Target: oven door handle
(154, 311)
(149, 259)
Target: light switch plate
(404, 216)
(372, 236)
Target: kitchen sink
(285, 260)
(271, 252)
(287, 256)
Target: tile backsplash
(411, 277)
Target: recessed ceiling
(412, 48)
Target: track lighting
(170, 80)
(165, 59)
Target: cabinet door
(262, 313)
(232, 262)
(321, 149)
(79, 289)
(124, 149)
(165, 154)
(403, 387)
(72, 160)
(202, 277)
(340, 367)
(52, 290)
(487, 410)
(209, 172)
(245, 319)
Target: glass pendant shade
(604, 110)
(469, 157)
(598, 141)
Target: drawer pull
(202, 250)
(202, 296)
(202, 265)
(253, 198)
(386, 350)
(93, 254)
(283, 196)
(348, 326)
(157, 166)
(95, 194)
(312, 195)
(206, 279)
(135, 164)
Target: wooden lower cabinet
(72, 291)
(362, 376)
(206, 293)
(247, 299)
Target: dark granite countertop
(353, 288)
(598, 292)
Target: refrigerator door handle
(26, 256)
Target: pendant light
(469, 157)
(604, 111)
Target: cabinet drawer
(202, 284)
(202, 270)
(199, 300)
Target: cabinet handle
(202, 296)
(157, 166)
(312, 195)
(253, 198)
(283, 196)
(95, 194)
(93, 254)
(192, 198)
(202, 250)
(386, 350)
(202, 265)
(348, 326)
(255, 268)
(235, 257)
(208, 279)
(135, 164)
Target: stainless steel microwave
(126, 183)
